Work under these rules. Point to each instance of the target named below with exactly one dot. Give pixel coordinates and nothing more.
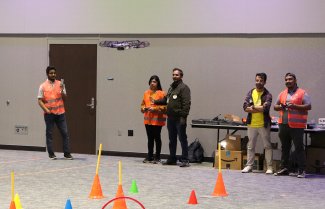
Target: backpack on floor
(195, 152)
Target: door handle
(92, 103)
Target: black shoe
(68, 156)
(169, 162)
(156, 161)
(147, 160)
(282, 172)
(184, 163)
(52, 156)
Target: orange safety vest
(296, 118)
(158, 117)
(52, 97)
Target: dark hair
(262, 75)
(50, 68)
(290, 74)
(155, 77)
(180, 71)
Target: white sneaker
(247, 169)
(269, 171)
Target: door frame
(66, 40)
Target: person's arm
(265, 107)
(143, 107)
(63, 91)
(278, 106)
(42, 105)
(306, 104)
(40, 97)
(162, 101)
(248, 105)
(186, 101)
(268, 102)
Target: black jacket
(178, 100)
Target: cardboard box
(258, 162)
(233, 142)
(315, 160)
(229, 160)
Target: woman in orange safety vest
(154, 118)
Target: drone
(122, 45)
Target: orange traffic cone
(96, 190)
(192, 200)
(120, 203)
(12, 205)
(219, 189)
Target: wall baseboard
(24, 148)
(111, 153)
(143, 155)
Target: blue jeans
(60, 121)
(175, 128)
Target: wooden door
(77, 65)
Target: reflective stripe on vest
(153, 118)
(296, 118)
(52, 97)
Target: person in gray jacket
(178, 100)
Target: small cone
(68, 205)
(96, 190)
(192, 200)
(17, 202)
(119, 203)
(134, 188)
(12, 205)
(219, 189)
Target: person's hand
(265, 104)
(283, 106)
(290, 105)
(143, 109)
(182, 121)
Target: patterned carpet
(47, 184)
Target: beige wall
(219, 71)
(161, 16)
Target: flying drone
(122, 45)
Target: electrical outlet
(22, 130)
(130, 132)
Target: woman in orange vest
(154, 118)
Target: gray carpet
(47, 184)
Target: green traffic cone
(134, 188)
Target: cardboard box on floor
(315, 160)
(229, 160)
(233, 142)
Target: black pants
(288, 135)
(154, 135)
